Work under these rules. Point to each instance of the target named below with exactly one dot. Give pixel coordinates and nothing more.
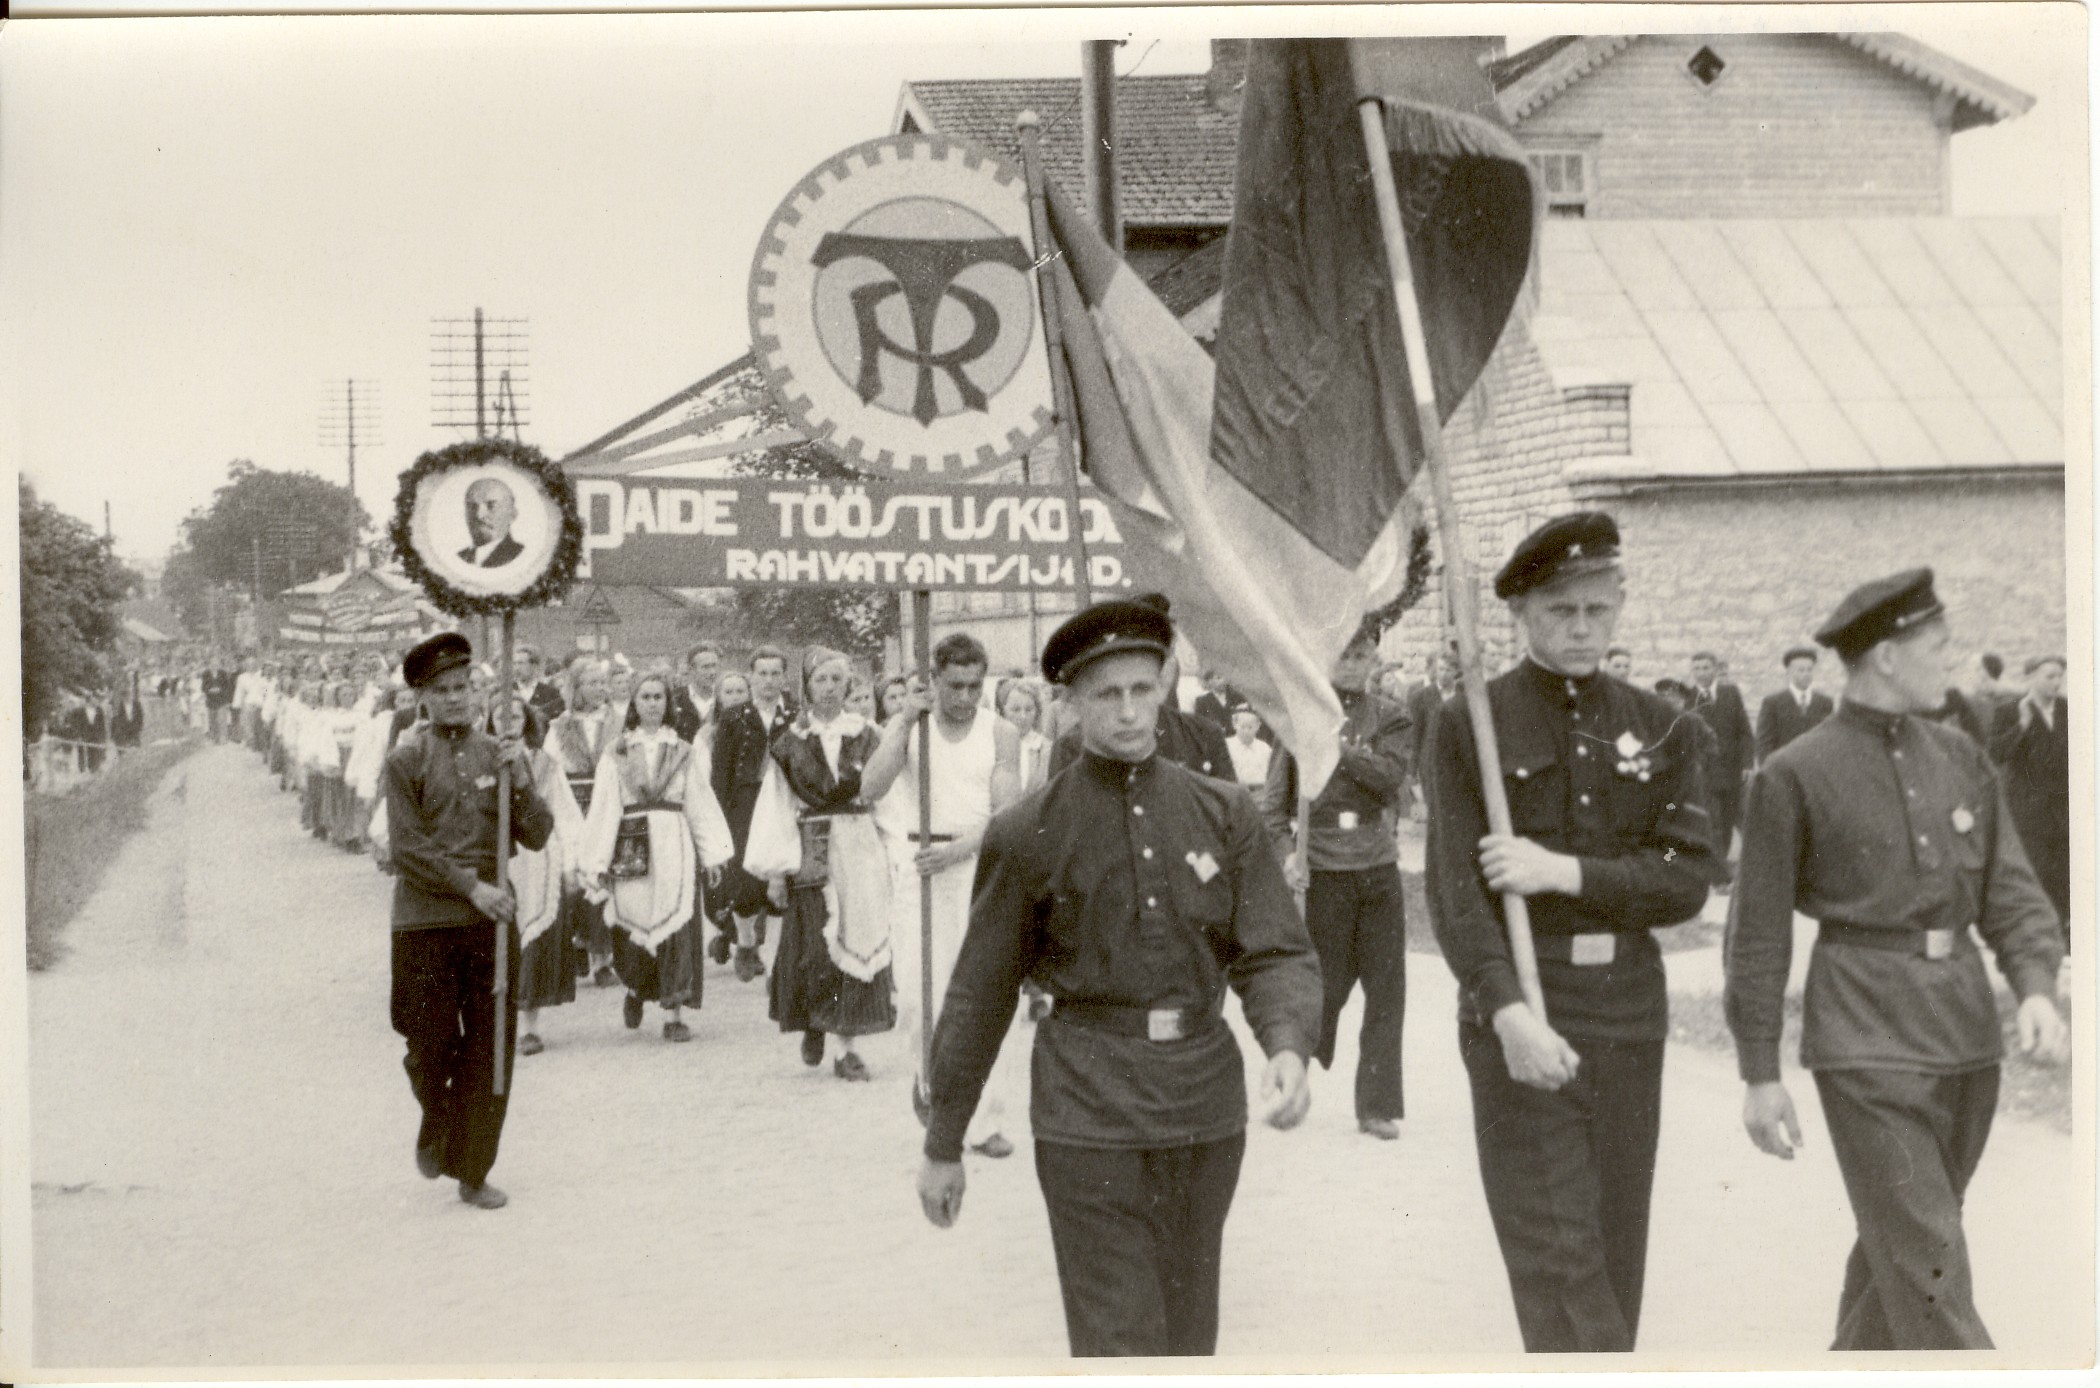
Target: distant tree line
(72, 585)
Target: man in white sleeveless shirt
(976, 770)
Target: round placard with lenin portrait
(488, 526)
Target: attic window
(1706, 67)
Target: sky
(208, 224)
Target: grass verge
(73, 838)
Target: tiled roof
(1177, 149)
(1775, 347)
(1529, 79)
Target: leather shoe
(718, 947)
(677, 1031)
(812, 1048)
(483, 1196)
(529, 1044)
(429, 1163)
(1384, 1129)
(748, 964)
(849, 1067)
(996, 1146)
(605, 977)
(631, 1010)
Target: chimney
(1227, 75)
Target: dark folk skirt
(808, 992)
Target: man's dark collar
(1556, 683)
(1878, 720)
(451, 730)
(1114, 771)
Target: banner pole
(1030, 127)
(501, 710)
(922, 642)
(1458, 571)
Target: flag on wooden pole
(1269, 496)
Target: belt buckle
(1163, 1024)
(1346, 820)
(1939, 944)
(1599, 947)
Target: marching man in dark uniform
(1195, 743)
(1133, 891)
(1353, 902)
(1892, 832)
(1611, 841)
(440, 784)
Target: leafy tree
(71, 585)
(855, 621)
(273, 530)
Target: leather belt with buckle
(1588, 950)
(1152, 1023)
(1344, 820)
(1901, 939)
(931, 838)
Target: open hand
(1768, 1116)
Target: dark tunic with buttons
(1597, 769)
(1145, 886)
(1882, 820)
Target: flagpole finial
(1027, 119)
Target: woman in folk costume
(328, 739)
(654, 824)
(740, 905)
(368, 749)
(579, 740)
(299, 753)
(544, 882)
(814, 840)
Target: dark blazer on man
(2037, 764)
(1722, 708)
(685, 716)
(505, 551)
(1209, 706)
(1781, 719)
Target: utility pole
(346, 420)
(466, 355)
(1097, 86)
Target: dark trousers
(444, 1006)
(1359, 926)
(1908, 1143)
(1138, 1236)
(1568, 1174)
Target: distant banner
(747, 532)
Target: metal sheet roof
(1768, 347)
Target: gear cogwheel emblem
(893, 309)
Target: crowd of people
(668, 815)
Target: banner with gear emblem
(893, 310)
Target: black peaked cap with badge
(1873, 612)
(1564, 546)
(426, 660)
(1106, 628)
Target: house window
(1565, 175)
(1706, 67)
